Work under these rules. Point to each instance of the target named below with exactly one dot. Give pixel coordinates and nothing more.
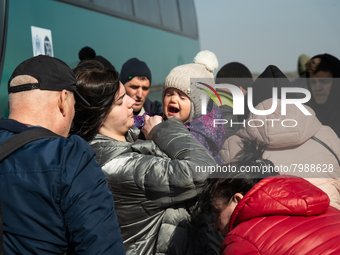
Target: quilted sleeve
(237, 245)
(180, 175)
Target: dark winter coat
(154, 107)
(154, 184)
(54, 197)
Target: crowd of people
(90, 165)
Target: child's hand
(150, 122)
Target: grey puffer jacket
(153, 185)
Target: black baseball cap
(52, 74)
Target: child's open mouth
(173, 110)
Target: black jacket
(154, 107)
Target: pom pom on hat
(208, 59)
(201, 70)
(86, 53)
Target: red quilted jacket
(283, 216)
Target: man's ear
(63, 102)
(237, 197)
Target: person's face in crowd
(223, 211)
(321, 84)
(138, 89)
(120, 119)
(176, 103)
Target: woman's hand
(150, 122)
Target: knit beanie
(187, 77)
(271, 77)
(87, 53)
(132, 68)
(235, 73)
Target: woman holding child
(153, 181)
(185, 96)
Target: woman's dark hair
(237, 181)
(98, 87)
(87, 64)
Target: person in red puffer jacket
(273, 215)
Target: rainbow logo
(208, 92)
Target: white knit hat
(183, 78)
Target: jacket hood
(286, 195)
(272, 77)
(281, 131)
(328, 113)
(335, 63)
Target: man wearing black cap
(53, 193)
(136, 77)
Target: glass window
(147, 10)
(122, 6)
(172, 15)
(169, 11)
(188, 17)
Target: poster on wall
(42, 41)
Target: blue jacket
(54, 195)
